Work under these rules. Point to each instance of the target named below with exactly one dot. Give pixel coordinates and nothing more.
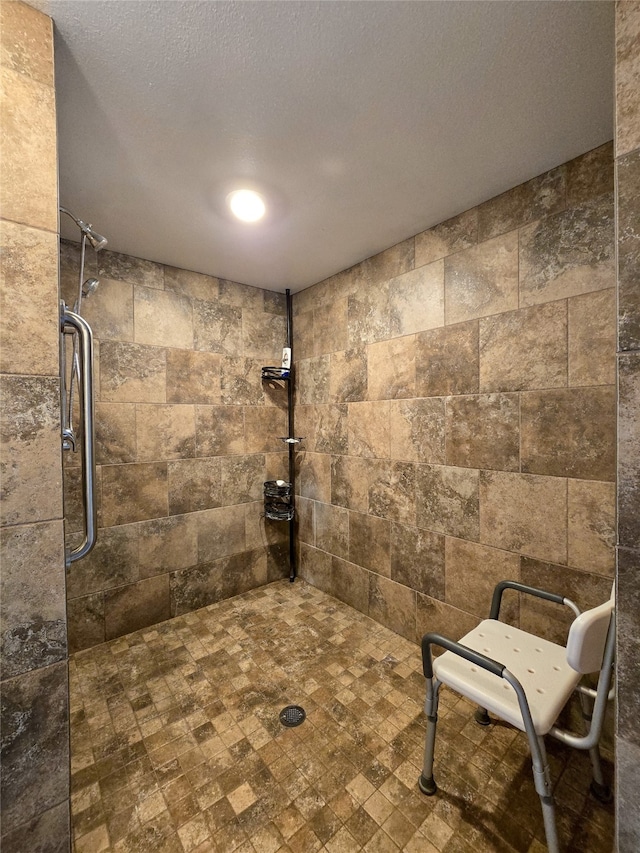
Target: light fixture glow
(246, 205)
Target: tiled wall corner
(628, 374)
(186, 434)
(35, 695)
(459, 410)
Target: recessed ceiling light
(246, 205)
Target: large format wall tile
(567, 254)
(242, 478)
(219, 430)
(391, 369)
(471, 573)
(628, 644)
(524, 513)
(627, 76)
(167, 544)
(482, 280)
(447, 500)
(569, 433)
(392, 604)
(417, 559)
(590, 175)
(138, 605)
(112, 562)
(49, 832)
(350, 482)
(329, 331)
(195, 285)
(592, 338)
(109, 310)
(416, 299)
(629, 449)
(418, 430)
(332, 524)
(29, 168)
(115, 431)
(369, 542)
(538, 197)
(30, 449)
(29, 337)
(314, 476)
(454, 235)
(165, 432)
(629, 249)
(524, 349)
(134, 270)
(217, 327)
(447, 361)
(85, 621)
(134, 492)
(26, 42)
(435, 616)
(348, 376)
(350, 583)
(163, 318)
(130, 373)
(483, 431)
(240, 382)
(392, 490)
(35, 744)
(193, 377)
(194, 484)
(592, 531)
(368, 430)
(32, 603)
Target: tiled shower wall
(628, 199)
(186, 434)
(35, 694)
(457, 397)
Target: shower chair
(526, 681)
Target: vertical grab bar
(85, 347)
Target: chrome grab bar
(70, 320)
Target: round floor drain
(292, 716)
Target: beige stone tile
(305, 520)
(483, 431)
(628, 211)
(332, 529)
(350, 583)
(29, 191)
(447, 500)
(416, 299)
(368, 314)
(134, 492)
(627, 76)
(217, 327)
(569, 432)
(219, 430)
(303, 330)
(590, 175)
(368, 429)
(312, 380)
(391, 368)
(221, 532)
(241, 382)
(264, 428)
(438, 617)
(547, 619)
(85, 622)
(592, 338)
(534, 199)
(388, 264)
(369, 542)
(315, 567)
(193, 377)
(163, 318)
(592, 526)
(418, 430)
(394, 605)
(113, 562)
(524, 513)
(165, 432)
(26, 42)
(628, 450)
(350, 482)
(130, 373)
(30, 462)
(167, 544)
(242, 478)
(482, 280)
(348, 375)
(330, 333)
(115, 430)
(32, 600)
(195, 285)
(263, 335)
(417, 559)
(454, 235)
(313, 476)
(127, 268)
(109, 310)
(447, 361)
(29, 337)
(524, 349)
(569, 253)
(392, 490)
(331, 429)
(241, 295)
(472, 571)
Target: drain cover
(292, 716)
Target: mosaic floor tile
(178, 748)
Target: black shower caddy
(279, 495)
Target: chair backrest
(587, 637)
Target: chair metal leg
(542, 781)
(426, 781)
(482, 718)
(599, 788)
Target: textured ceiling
(362, 123)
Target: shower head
(97, 240)
(90, 286)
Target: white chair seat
(540, 666)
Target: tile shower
(418, 488)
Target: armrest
(529, 590)
(465, 652)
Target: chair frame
(593, 717)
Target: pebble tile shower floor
(177, 746)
